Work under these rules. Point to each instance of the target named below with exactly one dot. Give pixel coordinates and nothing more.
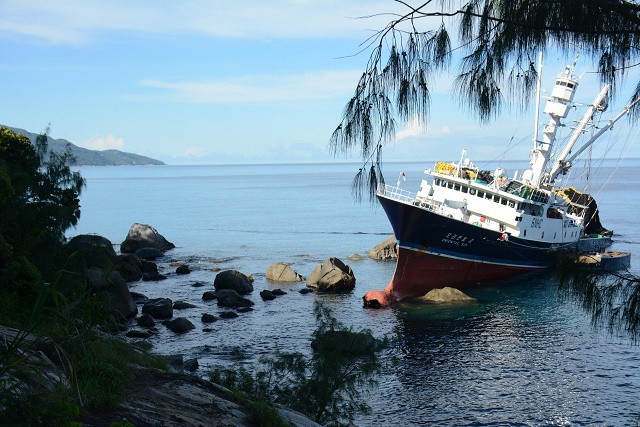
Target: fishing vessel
(466, 226)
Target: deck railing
(396, 193)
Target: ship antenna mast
(537, 119)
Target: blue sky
(207, 82)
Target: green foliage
(496, 47)
(329, 386)
(39, 201)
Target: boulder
(160, 308)
(148, 266)
(282, 272)
(144, 236)
(139, 298)
(228, 315)
(355, 257)
(332, 276)
(233, 280)
(153, 276)
(180, 325)
(209, 295)
(94, 250)
(183, 269)
(146, 321)
(129, 267)
(208, 318)
(386, 250)
(231, 299)
(149, 254)
(278, 292)
(112, 283)
(445, 294)
(181, 305)
(267, 295)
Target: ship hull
(435, 251)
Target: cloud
(82, 21)
(261, 89)
(412, 128)
(191, 152)
(100, 143)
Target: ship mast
(557, 107)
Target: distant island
(85, 157)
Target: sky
(221, 81)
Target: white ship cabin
(503, 205)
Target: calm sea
(521, 355)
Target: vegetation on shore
(56, 326)
(327, 386)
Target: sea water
(523, 354)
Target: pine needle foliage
(612, 299)
(496, 43)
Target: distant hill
(85, 157)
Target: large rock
(445, 294)
(112, 283)
(144, 236)
(231, 299)
(129, 267)
(282, 272)
(332, 276)
(233, 280)
(93, 250)
(160, 308)
(386, 250)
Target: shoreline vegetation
(94, 377)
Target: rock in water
(233, 280)
(231, 299)
(386, 250)
(180, 325)
(446, 294)
(332, 276)
(160, 308)
(282, 272)
(267, 295)
(144, 236)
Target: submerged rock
(231, 299)
(267, 295)
(208, 318)
(180, 325)
(445, 294)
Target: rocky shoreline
(187, 399)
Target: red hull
(418, 272)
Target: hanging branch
(498, 39)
